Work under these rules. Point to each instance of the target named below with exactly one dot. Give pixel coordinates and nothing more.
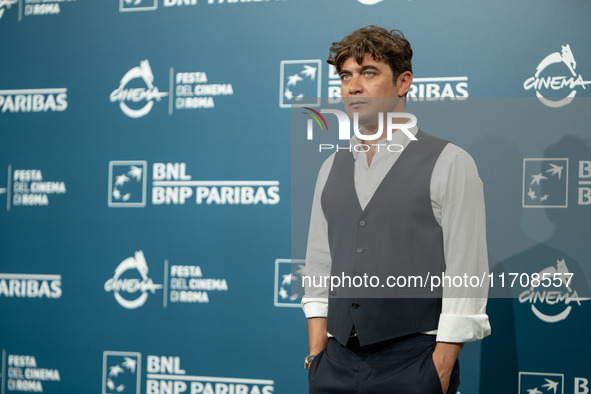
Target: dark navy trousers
(402, 365)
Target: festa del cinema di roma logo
(123, 283)
(5, 4)
(131, 97)
(540, 83)
(553, 303)
(48, 7)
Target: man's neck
(371, 130)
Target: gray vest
(396, 234)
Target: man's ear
(403, 83)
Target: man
(391, 211)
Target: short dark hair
(381, 44)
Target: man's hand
(444, 358)
(317, 337)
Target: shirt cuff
(462, 328)
(315, 307)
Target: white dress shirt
(457, 200)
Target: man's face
(368, 88)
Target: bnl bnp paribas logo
(545, 183)
(173, 185)
(552, 87)
(33, 100)
(137, 5)
(549, 383)
(541, 383)
(300, 85)
(127, 183)
(288, 283)
(121, 372)
(151, 5)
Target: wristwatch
(308, 361)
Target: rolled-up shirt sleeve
(318, 261)
(458, 204)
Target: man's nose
(355, 86)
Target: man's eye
(345, 77)
(369, 73)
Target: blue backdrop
(145, 185)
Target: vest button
(354, 305)
(362, 223)
(359, 250)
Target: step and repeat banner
(145, 185)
